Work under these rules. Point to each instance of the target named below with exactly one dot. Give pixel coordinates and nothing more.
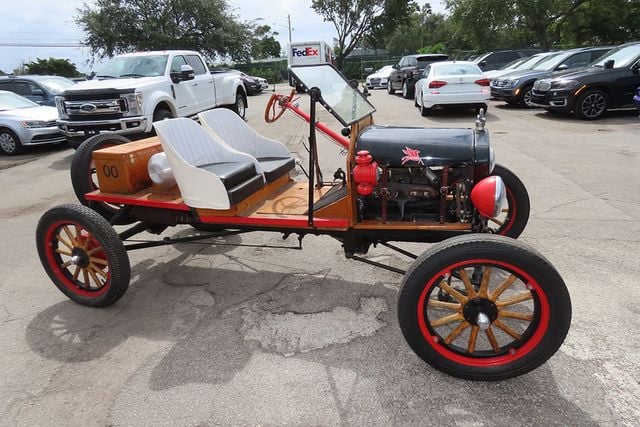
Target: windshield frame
(324, 103)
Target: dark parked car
(408, 71)
(494, 60)
(636, 98)
(251, 84)
(609, 83)
(515, 87)
(39, 89)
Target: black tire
(424, 111)
(161, 114)
(591, 105)
(515, 219)
(407, 93)
(83, 174)
(75, 141)
(525, 97)
(240, 106)
(100, 255)
(390, 89)
(10, 144)
(541, 298)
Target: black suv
(515, 87)
(607, 84)
(39, 89)
(407, 72)
(495, 60)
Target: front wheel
(591, 105)
(10, 143)
(83, 255)
(390, 89)
(525, 97)
(483, 307)
(513, 218)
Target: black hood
(585, 73)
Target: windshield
(552, 61)
(531, 61)
(338, 97)
(134, 66)
(56, 85)
(623, 56)
(11, 101)
(513, 64)
(385, 69)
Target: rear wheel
(83, 175)
(83, 255)
(424, 111)
(483, 307)
(406, 91)
(513, 219)
(240, 105)
(10, 143)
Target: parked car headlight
(62, 112)
(134, 103)
(34, 124)
(513, 83)
(565, 84)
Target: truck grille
(95, 108)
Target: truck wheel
(514, 217)
(162, 114)
(10, 143)
(83, 175)
(483, 307)
(83, 255)
(240, 106)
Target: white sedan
(379, 78)
(451, 84)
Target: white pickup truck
(134, 90)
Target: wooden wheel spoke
(456, 332)
(94, 251)
(448, 289)
(70, 235)
(63, 252)
(503, 287)
(64, 242)
(98, 270)
(445, 305)
(95, 278)
(98, 261)
(497, 221)
(76, 273)
(85, 276)
(492, 339)
(484, 284)
(471, 292)
(515, 315)
(505, 210)
(446, 320)
(473, 336)
(498, 323)
(515, 299)
(65, 264)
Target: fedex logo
(305, 52)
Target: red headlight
(488, 196)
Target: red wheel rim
(498, 354)
(89, 274)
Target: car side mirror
(37, 92)
(368, 70)
(186, 73)
(395, 66)
(635, 68)
(483, 63)
(609, 64)
(562, 67)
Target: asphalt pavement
(232, 335)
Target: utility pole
(289, 20)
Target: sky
(40, 26)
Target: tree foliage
(208, 26)
(355, 19)
(52, 66)
(264, 44)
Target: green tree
(421, 31)
(264, 45)
(52, 66)
(356, 19)
(208, 26)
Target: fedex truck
(308, 53)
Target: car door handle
(195, 84)
(210, 81)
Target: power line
(26, 44)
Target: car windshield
(552, 61)
(384, 69)
(56, 85)
(134, 66)
(11, 101)
(531, 61)
(456, 70)
(338, 96)
(623, 56)
(513, 64)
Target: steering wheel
(277, 106)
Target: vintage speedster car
(478, 305)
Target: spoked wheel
(514, 216)
(83, 175)
(83, 255)
(277, 106)
(484, 307)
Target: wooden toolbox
(122, 169)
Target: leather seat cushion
(231, 173)
(245, 189)
(275, 167)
